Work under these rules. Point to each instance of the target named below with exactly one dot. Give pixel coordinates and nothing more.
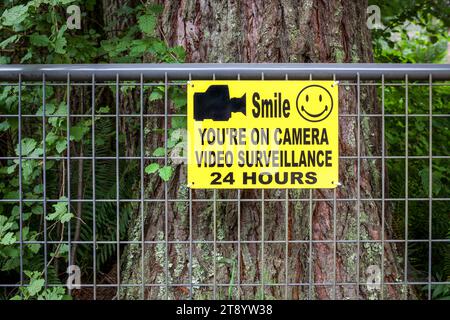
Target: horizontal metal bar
(31, 83)
(366, 71)
(187, 242)
(225, 200)
(234, 284)
(184, 158)
(150, 115)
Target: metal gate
(142, 76)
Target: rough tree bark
(271, 31)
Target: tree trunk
(271, 31)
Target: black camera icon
(215, 104)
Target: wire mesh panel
(94, 200)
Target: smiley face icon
(314, 103)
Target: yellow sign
(262, 134)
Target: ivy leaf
(165, 173)
(151, 168)
(61, 145)
(159, 152)
(147, 23)
(28, 146)
(51, 138)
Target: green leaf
(179, 122)
(151, 168)
(147, 23)
(11, 169)
(60, 41)
(37, 152)
(8, 239)
(39, 188)
(61, 145)
(179, 101)
(159, 152)
(11, 195)
(103, 110)
(178, 134)
(37, 210)
(4, 125)
(8, 41)
(34, 248)
(27, 170)
(35, 286)
(77, 132)
(55, 293)
(27, 56)
(51, 138)
(28, 146)
(165, 173)
(39, 40)
(49, 109)
(15, 15)
(171, 143)
(61, 213)
(155, 95)
(66, 217)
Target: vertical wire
(215, 234)
(191, 286)
(286, 253)
(214, 244)
(117, 187)
(166, 202)
(406, 185)
(141, 119)
(383, 181)
(239, 234)
(239, 245)
(334, 230)
(20, 180)
(358, 206)
(262, 234)
(44, 178)
(430, 182)
(69, 224)
(94, 196)
(190, 232)
(286, 228)
(310, 260)
(310, 237)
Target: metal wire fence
(429, 122)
